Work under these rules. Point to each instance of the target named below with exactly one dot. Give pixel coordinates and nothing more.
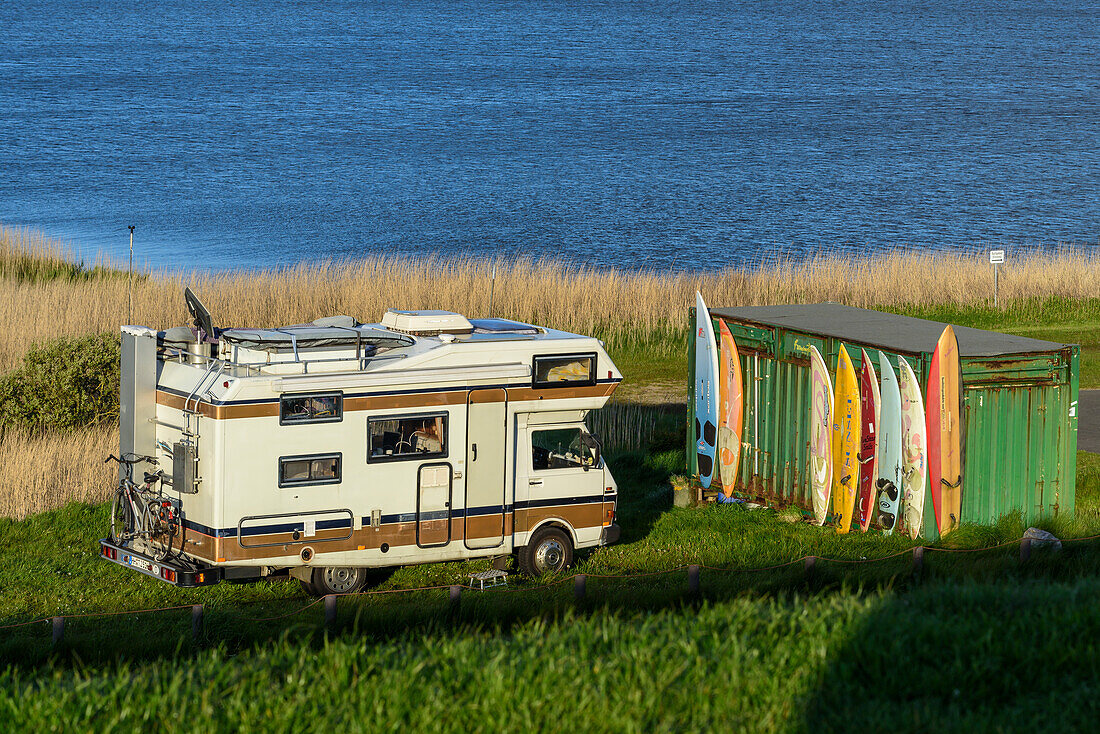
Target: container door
(486, 439)
(433, 506)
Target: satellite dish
(202, 322)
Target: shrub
(65, 383)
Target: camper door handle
(473, 448)
(535, 482)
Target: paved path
(1088, 421)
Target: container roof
(886, 330)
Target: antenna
(492, 287)
(130, 290)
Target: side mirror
(592, 443)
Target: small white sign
(996, 257)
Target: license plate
(142, 565)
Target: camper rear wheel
(549, 551)
(336, 580)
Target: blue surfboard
(706, 392)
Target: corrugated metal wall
(1021, 418)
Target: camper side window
(560, 448)
(295, 471)
(407, 437)
(313, 408)
(564, 370)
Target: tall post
(995, 286)
(492, 287)
(130, 291)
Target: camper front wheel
(550, 550)
(336, 580)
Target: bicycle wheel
(165, 528)
(122, 517)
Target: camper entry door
(486, 443)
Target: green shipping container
(1020, 404)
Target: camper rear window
(563, 370)
(314, 408)
(407, 437)
(296, 471)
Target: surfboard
(868, 444)
(846, 436)
(944, 425)
(821, 435)
(914, 466)
(730, 410)
(888, 485)
(706, 392)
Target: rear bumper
(610, 534)
(170, 573)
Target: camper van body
(424, 438)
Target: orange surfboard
(730, 409)
(945, 432)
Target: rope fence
(580, 585)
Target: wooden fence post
(579, 583)
(810, 563)
(693, 579)
(1025, 549)
(58, 630)
(918, 562)
(196, 621)
(330, 611)
(456, 598)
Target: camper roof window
(564, 370)
(314, 408)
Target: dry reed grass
(620, 307)
(42, 472)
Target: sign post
(996, 257)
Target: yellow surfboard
(846, 436)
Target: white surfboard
(914, 449)
(706, 392)
(888, 488)
(821, 431)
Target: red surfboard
(868, 446)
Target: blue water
(629, 134)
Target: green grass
(977, 656)
(978, 643)
(49, 566)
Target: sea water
(630, 134)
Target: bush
(64, 383)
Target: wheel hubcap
(341, 580)
(550, 555)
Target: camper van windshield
(408, 437)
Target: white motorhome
(324, 450)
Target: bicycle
(138, 512)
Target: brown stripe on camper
(393, 402)
(562, 393)
(398, 536)
(415, 400)
(578, 516)
(218, 412)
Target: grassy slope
(786, 662)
